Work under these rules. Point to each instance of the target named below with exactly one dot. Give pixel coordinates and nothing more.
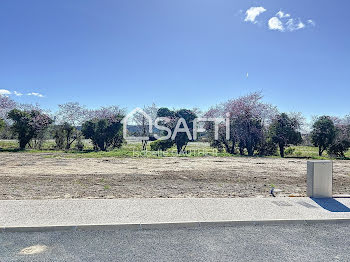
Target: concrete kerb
(176, 225)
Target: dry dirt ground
(39, 176)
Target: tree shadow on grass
(331, 204)
(15, 150)
(11, 150)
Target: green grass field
(134, 149)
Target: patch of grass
(133, 149)
(312, 152)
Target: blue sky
(183, 53)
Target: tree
(2, 124)
(28, 125)
(222, 142)
(249, 132)
(65, 135)
(181, 138)
(267, 148)
(178, 118)
(104, 133)
(79, 145)
(59, 136)
(323, 133)
(72, 113)
(341, 143)
(40, 122)
(248, 116)
(284, 131)
(2, 129)
(107, 112)
(6, 105)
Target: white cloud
(282, 21)
(292, 25)
(35, 94)
(253, 12)
(4, 92)
(17, 93)
(281, 14)
(311, 22)
(275, 24)
(300, 25)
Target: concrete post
(320, 178)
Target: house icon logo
(129, 116)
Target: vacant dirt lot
(39, 176)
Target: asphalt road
(322, 242)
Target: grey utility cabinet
(320, 178)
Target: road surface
(318, 242)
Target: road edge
(170, 225)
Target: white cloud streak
(293, 25)
(311, 22)
(300, 25)
(35, 94)
(281, 14)
(17, 93)
(4, 92)
(253, 12)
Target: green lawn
(134, 149)
(312, 152)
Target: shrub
(341, 143)
(79, 145)
(58, 135)
(218, 145)
(338, 149)
(267, 148)
(162, 145)
(289, 151)
(2, 124)
(65, 135)
(6, 132)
